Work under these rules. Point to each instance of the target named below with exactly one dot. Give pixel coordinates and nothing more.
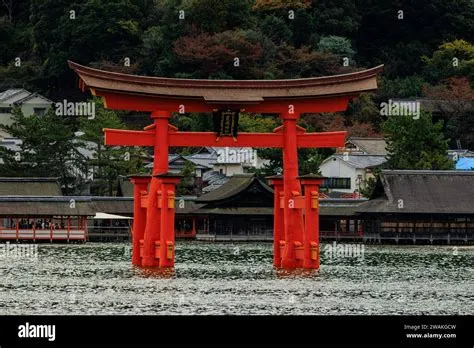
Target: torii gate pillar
(140, 190)
(311, 185)
(152, 239)
(293, 217)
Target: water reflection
(155, 272)
(295, 273)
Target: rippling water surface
(238, 279)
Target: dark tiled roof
(45, 206)
(327, 207)
(29, 187)
(113, 205)
(422, 191)
(235, 185)
(339, 207)
(84, 205)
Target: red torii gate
(296, 224)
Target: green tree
(257, 123)
(407, 87)
(421, 27)
(368, 188)
(364, 109)
(341, 18)
(107, 163)
(96, 30)
(279, 4)
(455, 58)
(215, 16)
(301, 27)
(337, 45)
(185, 186)
(47, 149)
(416, 143)
(276, 29)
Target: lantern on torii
(296, 224)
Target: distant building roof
(237, 184)
(340, 206)
(32, 95)
(29, 187)
(213, 179)
(422, 191)
(360, 161)
(11, 92)
(18, 99)
(369, 146)
(112, 205)
(45, 206)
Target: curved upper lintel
(242, 92)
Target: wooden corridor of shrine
(296, 224)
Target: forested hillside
(425, 45)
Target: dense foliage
(424, 45)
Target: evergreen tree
(107, 162)
(416, 143)
(47, 149)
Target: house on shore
(29, 103)
(349, 169)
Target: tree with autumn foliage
(454, 101)
(230, 54)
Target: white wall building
(349, 173)
(349, 169)
(29, 103)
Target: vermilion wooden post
(293, 219)
(140, 184)
(160, 166)
(278, 222)
(311, 184)
(193, 232)
(167, 206)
